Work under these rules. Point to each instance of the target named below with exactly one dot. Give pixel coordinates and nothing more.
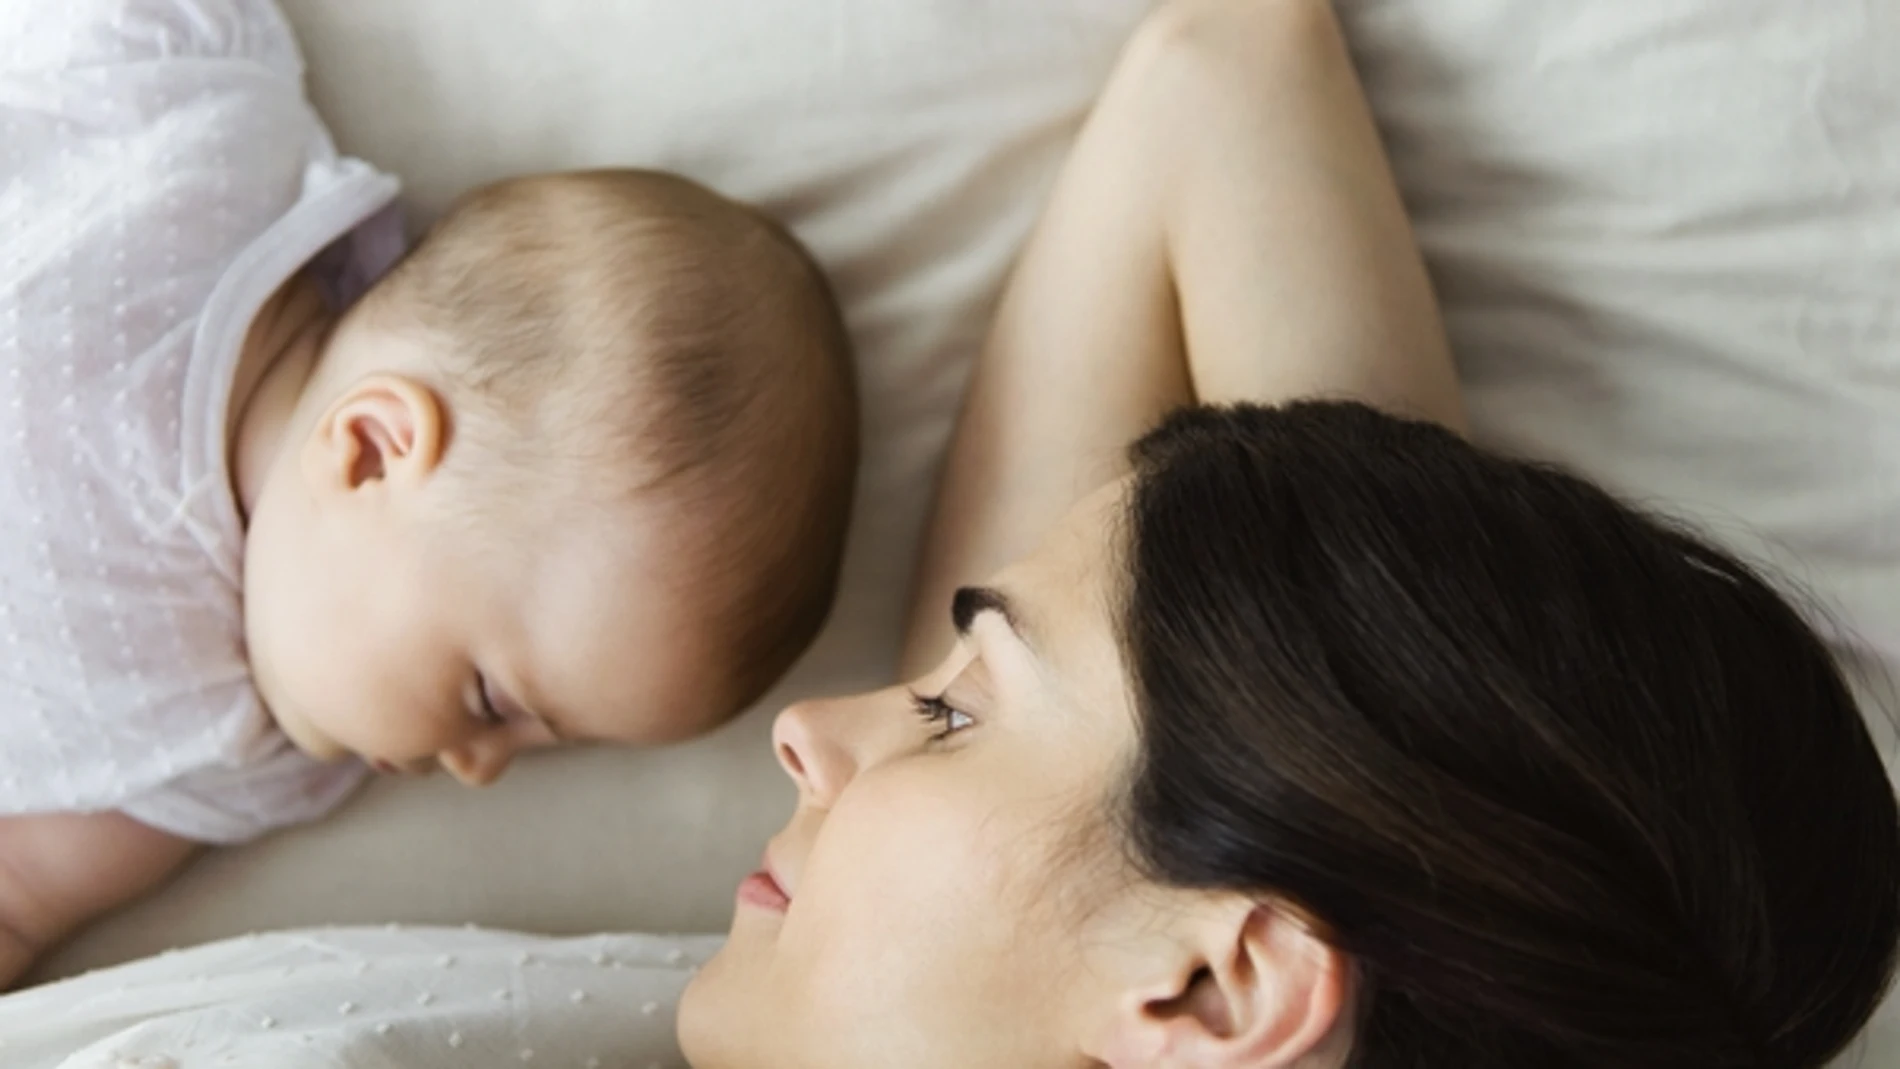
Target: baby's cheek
(397, 729)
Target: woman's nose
(806, 739)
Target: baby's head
(579, 468)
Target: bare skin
(58, 869)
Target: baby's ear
(384, 431)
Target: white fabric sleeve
(225, 806)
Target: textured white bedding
(366, 998)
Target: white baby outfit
(161, 175)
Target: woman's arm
(1226, 229)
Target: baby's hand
(59, 870)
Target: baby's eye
(485, 710)
(935, 710)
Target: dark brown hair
(1571, 787)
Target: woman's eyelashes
(946, 718)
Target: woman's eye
(485, 710)
(947, 718)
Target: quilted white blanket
(366, 998)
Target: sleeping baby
(577, 468)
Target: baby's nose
(477, 764)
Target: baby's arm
(59, 870)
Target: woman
(1301, 736)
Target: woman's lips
(384, 767)
(763, 890)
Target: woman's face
(953, 892)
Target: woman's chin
(700, 1035)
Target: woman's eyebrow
(972, 601)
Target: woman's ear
(1260, 990)
(384, 431)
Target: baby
(578, 468)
